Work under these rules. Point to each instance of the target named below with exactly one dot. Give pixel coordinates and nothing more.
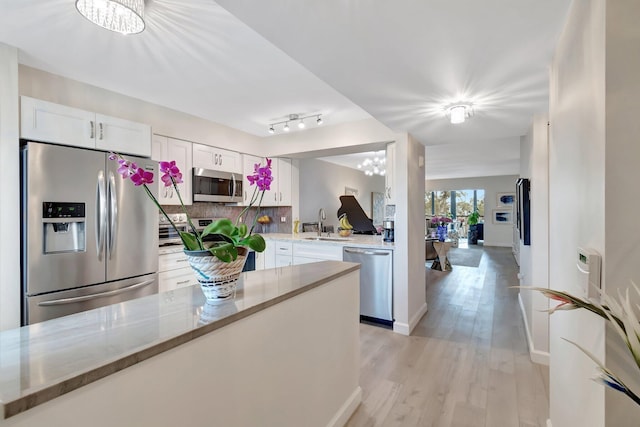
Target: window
(454, 204)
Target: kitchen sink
(329, 239)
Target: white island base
(294, 362)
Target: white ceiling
(259, 61)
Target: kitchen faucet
(321, 217)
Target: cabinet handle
(182, 282)
(216, 159)
(182, 260)
(220, 159)
(280, 195)
(93, 129)
(101, 132)
(245, 195)
(275, 197)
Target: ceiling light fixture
(293, 118)
(375, 166)
(121, 16)
(458, 112)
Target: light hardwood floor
(466, 363)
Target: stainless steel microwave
(216, 186)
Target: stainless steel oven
(167, 235)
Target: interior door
(132, 238)
(61, 254)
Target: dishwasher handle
(366, 252)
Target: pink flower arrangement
(229, 236)
(440, 220)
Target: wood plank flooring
(466, 363)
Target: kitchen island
(284, 352)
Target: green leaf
(221, 226)
(225, 252)
(189, 241)
(243, 229)
(256, 242)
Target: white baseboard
(536, 356)
(404, 328)
(347, 409)
(549, 423)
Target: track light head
(286, 127)
(319, 121)
(301, 124)
(272, 130)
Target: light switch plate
(283, 219)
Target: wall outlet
(283, 219)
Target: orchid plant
(227, 235)
(622, 316)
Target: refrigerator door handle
(94, 296)
(113, 214)
(101, 213)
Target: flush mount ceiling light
(459, 112)
(295, 118)
(121, 16)
(374, 166)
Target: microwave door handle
(101, 213)
(232, 186)
(113, 213)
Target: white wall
(322, 183)
(494, 234)
(622, 178)
(10, 194)
(164, 121)
(534, 165)
(576, 205)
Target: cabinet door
(284, 182)
(167, 149)
(205, 157)
(229, 161)
(173, 279)
(261, 260)
(389, 192)
(159, 153)
(248, 163)
(181, 152)
(123, 136)
(49, 122)
(270, 255)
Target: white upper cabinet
(280, 194)
(248, 164)
(213, 158)
(49, 122)
(390, 175)
(284, 182)
(167, 149)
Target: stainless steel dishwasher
(376, 283)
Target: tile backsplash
(218, 210)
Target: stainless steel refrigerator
(89, 238)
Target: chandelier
(295, 118)
(459, 112)
(373, 166)
(121, 16)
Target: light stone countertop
(45, 360)
(357, 240)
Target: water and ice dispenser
(63, 227)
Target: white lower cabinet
(304, 253)
(174, 279)
(174, 272)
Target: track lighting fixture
(295, 118)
